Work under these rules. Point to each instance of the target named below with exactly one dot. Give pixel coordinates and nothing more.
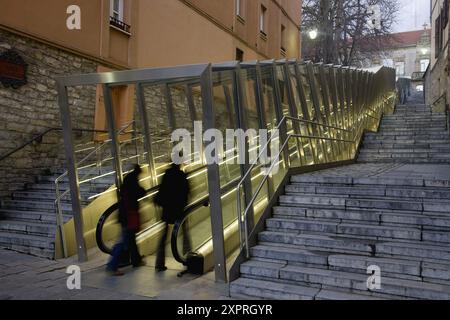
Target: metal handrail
(59, 196)
(242, 217)
(40, 136)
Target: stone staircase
(413, 134)
(389, 211)
(28, 218)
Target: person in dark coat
(173, 197)
(129, 218)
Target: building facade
(60, 37)
(407, 52)
(437, 78)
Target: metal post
(72, 171)
(315, 99)
(113, 136)
(191, 104)
(214, 182)
(328, 117)
(292, 108)
(169, 107)
(240, 107)
(147, 137)
(280, 114)
(261, 113)
(304, 107)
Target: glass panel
(269, 97)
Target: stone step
(402, 288)
(94, 179)
(329, 227)
(403, 130)
(290, 254)
(394, 140)
(424, 220)
(385, 149)
(413, 126)
(421, 153)
(404, 160)
(34, 251)
(254, 288)
(414, 117)
(392, 227)
(360, 202)
(32, 216)
(9, 240)
(369, 190)
(26, 227)
(372, 181)
(414, 250)
(45, 195)
(46, 206)
(401, 146)
(318, 242)
(408, 135)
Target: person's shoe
(159, 269)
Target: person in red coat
(129, 218)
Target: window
(262, 20)
(400, 68)
(424, 64)
(283, 38)
(117, 9)
(444, 14)
(239, 55)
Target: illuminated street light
(312, 34)
(424, 50)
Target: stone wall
(31, 109)
(437, 85)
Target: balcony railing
(119, 24)
(417, 76)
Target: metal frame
(329, 85)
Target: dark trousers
(161, 253)
(127, 243)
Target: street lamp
(312, 34)
(424, 50)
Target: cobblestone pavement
(25, 277)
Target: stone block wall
(30, 110)
(437, 85)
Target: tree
(345, 28)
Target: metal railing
(97, 163)
(38, 138)
(364, 113)
(333, 105)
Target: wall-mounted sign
(13, 69)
